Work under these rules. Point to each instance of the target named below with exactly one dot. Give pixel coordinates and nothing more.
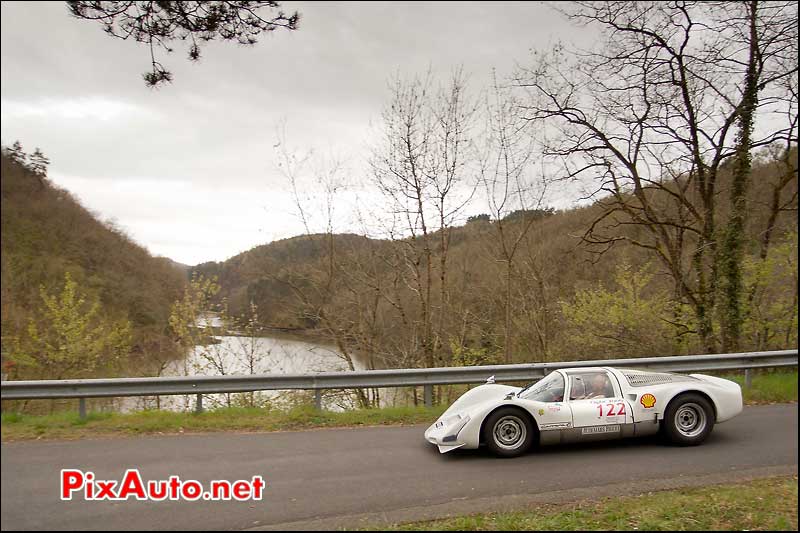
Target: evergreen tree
(158, 24)
(38, 163)
(17, 154)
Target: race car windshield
(549, 389)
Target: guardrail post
(748, 378)
(198, 408)
(428, 395)
(82, 408)
(318, 399)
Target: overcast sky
(188, 170)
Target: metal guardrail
(426, 377)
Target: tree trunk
(732, 245)
(507, 341)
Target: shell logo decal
(541, 412)
(647, 401)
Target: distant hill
(271, 275)
(180, 267)
(47, 232)
(264, 275)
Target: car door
(598, 410)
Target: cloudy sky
(189, 170)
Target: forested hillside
(560, 297)
(63, 268)
(565, 298)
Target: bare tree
(420, 169)
(454, 113)
(656, 115)
(316, 292)
(510, 186)
(771, 39)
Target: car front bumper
(444, 434)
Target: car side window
(590, 385)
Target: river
(240, 355)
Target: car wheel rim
(690, 420)
(509, 433)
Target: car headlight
(444, 422)
(454, 424)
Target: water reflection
(240, 355)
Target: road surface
(332, 478)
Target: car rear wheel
(688, 420)
(507, 432)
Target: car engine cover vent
(637, 378)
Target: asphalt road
(319, 477)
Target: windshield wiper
(526, 387)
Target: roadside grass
(69, 425)
(767, 387)
(765, 504)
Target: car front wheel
(507, 432)
(688, 420)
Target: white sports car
(586, 404)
